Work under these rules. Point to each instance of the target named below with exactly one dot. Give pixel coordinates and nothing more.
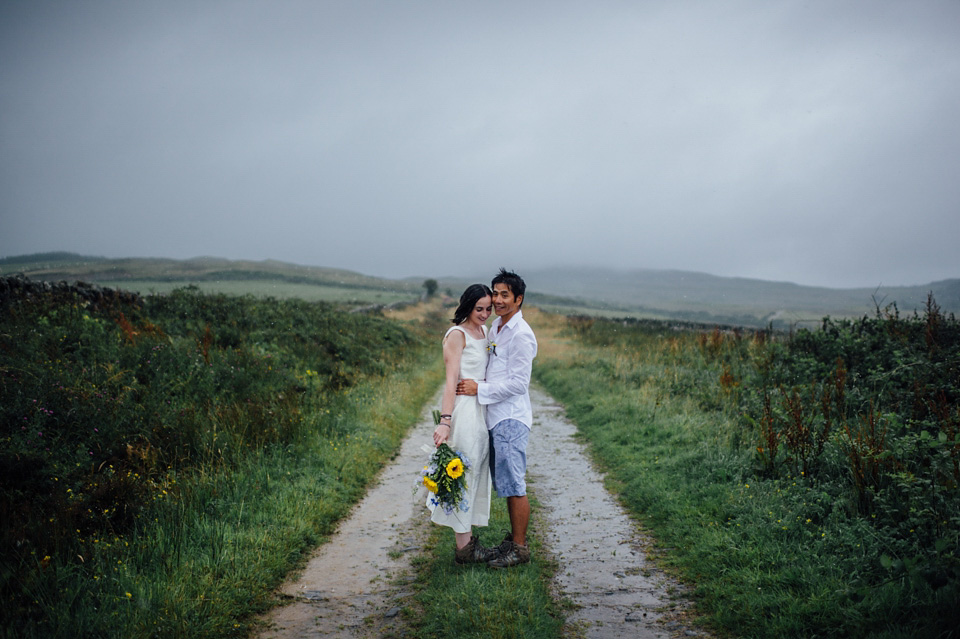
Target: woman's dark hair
(468, 301)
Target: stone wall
(18, 288)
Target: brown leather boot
(510, 555)
(474, 553)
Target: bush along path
(388, 572)
(165, 460)
(806, 484)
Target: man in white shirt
(511, 346)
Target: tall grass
(805, 484)
(163, 467)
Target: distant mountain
(68, 266)
(684, 289)
(58, 256)
(710, 298)
(682, 295)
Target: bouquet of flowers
(443, 476)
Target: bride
(462, 424)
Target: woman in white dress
(462, 425)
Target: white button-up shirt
(506, 391)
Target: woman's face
(481, 310)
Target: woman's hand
(441, 434)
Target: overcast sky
(815, 142)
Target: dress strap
(455, 328)
(465, 333)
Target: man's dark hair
(513, 281)
(468, 301)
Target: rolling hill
(667, 294)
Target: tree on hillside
(431, 286)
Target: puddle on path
(348, 589)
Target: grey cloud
(813, 143)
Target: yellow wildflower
(430, 484)
(455, 468)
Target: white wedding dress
(469, 436)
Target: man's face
(504, 301)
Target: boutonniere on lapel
(492, 347)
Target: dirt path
(352, 586)
(603, 567)
(347, 589)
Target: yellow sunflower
(455, 468)
(430, 484)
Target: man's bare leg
(519, 510)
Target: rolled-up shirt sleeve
(523, 349)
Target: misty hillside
(687, 291)
(667, 294)
(69, 266)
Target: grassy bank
(806, 486)
(164, 466)
(481, 602)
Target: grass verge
(769, 554)
(165, 468)
(477, 601)
(210, 560)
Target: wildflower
(455, 468)
(444, 478)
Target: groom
(511, 347)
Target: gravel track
(353, 585)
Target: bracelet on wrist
(442, 415)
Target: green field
(271, 288)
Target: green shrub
(807, 484)
(137, 440)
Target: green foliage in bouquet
(444, 477)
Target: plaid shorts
(508, 458)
